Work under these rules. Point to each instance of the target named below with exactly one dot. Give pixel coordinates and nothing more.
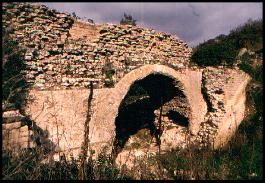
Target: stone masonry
(65, 54)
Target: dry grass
(240, 160)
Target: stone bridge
(65, 54)
(62, 113)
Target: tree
(211, 54)
(128, 20)
(14, 84)
(74, 15)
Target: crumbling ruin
(64, 55)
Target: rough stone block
(11, 126)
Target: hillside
(242, 48)
(228, 49)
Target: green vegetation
(246, 65)
(108, 83)
(128, 20)
(223, 49)
(109, 72)
(28, 166)
(249, 35)
(14, 85)
(242, 159)
(74, 15)
(214, 54)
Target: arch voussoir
(108, 109)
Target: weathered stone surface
(72, 112)
(11, 126)
(112, 99)
(100, 40)
(64, 54)
(15, 136)
(226, 91)
(65, 110)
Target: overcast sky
(192, 22)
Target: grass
(28, 166)
(241, 159)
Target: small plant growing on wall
(108, 83)
(127, 20)
(109, 72)
(127, 62)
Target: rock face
(225, 90)
(64, 54)
(15, 131)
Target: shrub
(27, 165)
(249, 35)
(14, 83)
(255, 72)
(109, 83)
(214, 54)
(127, 20)
(223, 49)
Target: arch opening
(151, 105)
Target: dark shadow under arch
(136, 110)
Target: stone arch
(139, 112)
(102, 125)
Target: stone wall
(64, 54)
(225, 90)
(67, 53)
(16, 134)
(62, 113)
(107, 105)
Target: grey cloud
(193, 10)
(191, 22)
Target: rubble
(65, 53)
(214, 81)
(46, 35)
